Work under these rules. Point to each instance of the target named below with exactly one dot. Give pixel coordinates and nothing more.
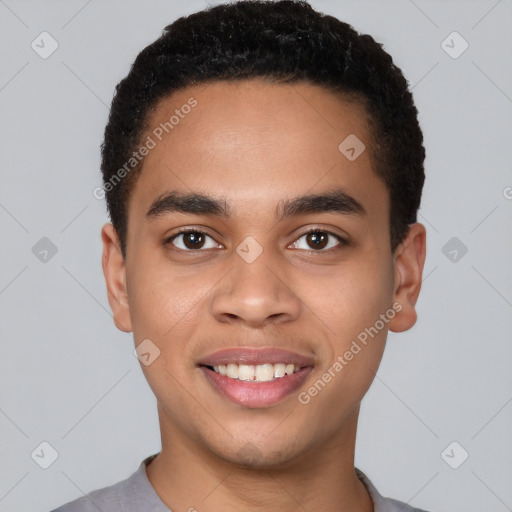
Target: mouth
(255, 378)
(255, 373)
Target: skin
(255, 145)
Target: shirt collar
(151, 498)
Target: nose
(256, 294)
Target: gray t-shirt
(136, 494)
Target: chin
(260, 455)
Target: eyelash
(340, 239)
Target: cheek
(352, 302)
(352, 298)
(163, 309)
(161, 302)
(162, 320)
(357, 346)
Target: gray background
(69, 378)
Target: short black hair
(283, 41)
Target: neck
(189, 477)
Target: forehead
(255, 141)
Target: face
(259, 268)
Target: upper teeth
(257, 373)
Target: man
(263, 167)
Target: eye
(318, 241)
(192, 240)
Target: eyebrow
(336, 201)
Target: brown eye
(319, 241)
(192, 240)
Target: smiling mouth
(266, 372)
(255, 377)
(247, 390)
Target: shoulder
(398, 506)
(105, 499)
(382, 504)
(120, 497)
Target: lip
(256, 394)
(256, 356)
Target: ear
(114, 270)
(409, 260)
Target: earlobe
(114, 270)
(409, 262)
